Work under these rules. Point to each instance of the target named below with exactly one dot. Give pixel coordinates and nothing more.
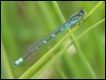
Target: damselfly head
(77, 16)
(81, 12)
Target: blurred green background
(23, 22)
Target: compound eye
(81, 12)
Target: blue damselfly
(67, 25)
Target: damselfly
(67, 25)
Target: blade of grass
(45, 8)
(94, 9)
(70, 65)
(58, 11)
(77, 45)
(44, 58)
(31, 70)
(90, 70)
(60, 71)
(84, 61)
(63, 19)
(8, 36)
(50, 62)
(34, 67)
(61, 52)
(90, 28)
(5, 64)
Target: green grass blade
(89, 67)
(36, 65)
(5, 65)
(50, 62)
(90, 28)
(94, 9)
(58, 11)
(84, 61)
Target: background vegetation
(78, 53)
